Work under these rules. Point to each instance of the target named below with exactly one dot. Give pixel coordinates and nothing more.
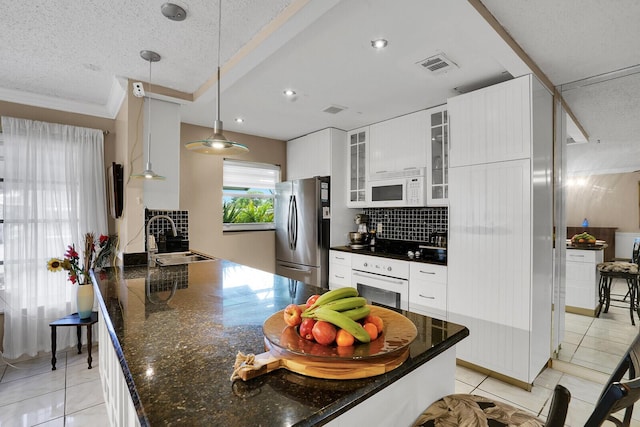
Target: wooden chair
(483, 411)
(619, 394)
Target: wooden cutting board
(287, 349)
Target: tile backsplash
(414, 224)
(158, 227)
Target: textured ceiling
(75, 50)
(77, 56)
(573, 40)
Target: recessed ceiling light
(289, 92)
(239, 120)
(379, 43)
(173, 11)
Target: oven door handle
(386, 280)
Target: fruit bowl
(399, 332)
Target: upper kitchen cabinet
(491, 124)
(357, 145)
(322, 153)
(438, 157)
(398, 144)
(310, 155)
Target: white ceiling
(77, 57)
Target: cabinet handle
(427, 272)
(412, 167)
(424, 296)
(340, 258)
(339, 277)
(576, 256)
(381, 172)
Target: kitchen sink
(179, 258)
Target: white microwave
(397, 189)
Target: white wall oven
(381, 280)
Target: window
(248, 193)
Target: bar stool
(618, 270)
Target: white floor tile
(95, 416)
(34, 410)
(463, 388)
(84, 396)
(612, 347)
(79, 373)
(573, 337)
(58, 422)
(548, 378)
(31, 367)
(36, 385)
(73, 358)
(566, 351)
(469, 376)
(532, 400)
(498, 398)
(585, 390)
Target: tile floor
(33, 395)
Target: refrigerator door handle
(294, 223)
(289, 222)
(294, 268)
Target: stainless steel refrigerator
(302, 216)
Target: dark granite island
(169, 338)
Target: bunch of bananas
(341, 307)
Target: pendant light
(217, 143)
(148, 173)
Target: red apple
(306, 328)
(292, 315)
(324, 332)
(312, 299)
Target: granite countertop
(179, 329)
(596, 247)
(373, 251)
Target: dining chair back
(618, 393)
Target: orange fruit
(376, 320)
(344, 338)
(372, 330)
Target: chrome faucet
(152, 247)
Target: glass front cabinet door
(438, 150)
(357, 146)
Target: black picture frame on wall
(115, 189)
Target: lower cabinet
(428, 289)
(582, 281)
(339, 269)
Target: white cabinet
(309, 155)
(398, 144)
(582, 279)
(438, 157)
(491, 124)
(322, 153)
(428, 289)
(500, 247)
(357, 141)
(339, 269)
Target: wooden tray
(287, 349)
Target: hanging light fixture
(217, 143)
(148, 172)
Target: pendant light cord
(149, 122)
(219, 37)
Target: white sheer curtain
(54, 193)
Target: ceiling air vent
(333, 109)
(437, 64)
